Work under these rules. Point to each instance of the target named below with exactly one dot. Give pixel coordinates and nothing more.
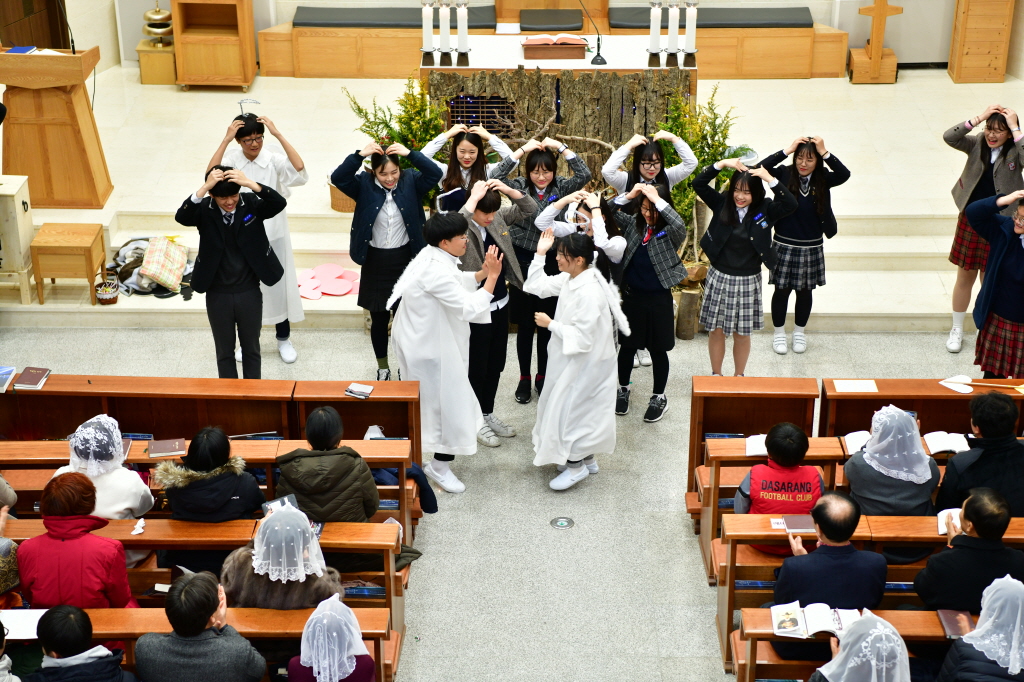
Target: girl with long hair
(587, 213)
(737, 242)
(467, 163)
(993, 167)
(799, 236)
(541, 182)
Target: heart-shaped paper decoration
(355, 288)
(310, 292)
(959, 388)
(306, 276)
(328, 271)
(336, 287)
(350, 275)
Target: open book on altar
(560, 39)
(789, 620)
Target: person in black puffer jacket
(211, 487)
(993, 651)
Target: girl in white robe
(430, 335)
(576, 414)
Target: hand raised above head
(794, 144)
(482, 132)
(665, 135)
(233, 128)
(371, 148)
(456, 129)
(271, 128)
(735, 164)
(546, 241)
(636, 141)
(397, 148)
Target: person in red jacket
(68, 564)
(782, 486)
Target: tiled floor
(499, 594)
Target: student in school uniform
(651, 267)
(993, 167)
(541, 182)
(431, 334)
(282, 304)
(647, 166)
(488, 342)
(798, 236)
(467, 163)
(737, 242)
(587, 213)
(574, 416)
(387, 227)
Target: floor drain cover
(562, 523)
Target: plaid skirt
(798, 267)
(732, 303)
(1000, 347)
(969, 251)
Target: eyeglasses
(650, 165)
(251, 141)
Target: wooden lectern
(50, 134)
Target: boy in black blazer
(234, 257)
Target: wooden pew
(167, 407)
(731, 453)
(158, 533)
(747, 405)
(903, 531)
(393, 405)
(129, 624)
(938, 408)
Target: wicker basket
(107, 291)
(341, 202)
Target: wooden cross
(878, 12)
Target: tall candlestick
(673, 29)
(655, 28)
(446, 26)
(428, 27)
(691, 29)
(462, 22)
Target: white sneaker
(238, 354)
(448, 482)
(591, 466)
(956, 340)
(636, 359)
(799, 342)
(485, 436)
(499, 427)
(779, 344)
(644, 356)
(383, 375)
(569, 478)
(287, 351)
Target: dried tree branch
(592, 140)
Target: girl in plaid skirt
(799, 236)
(737, 242)
(993, 167)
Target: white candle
(446, 28)
(655, 30)
(673, 30)
(428, 28)
(462, 21)
(691, 29)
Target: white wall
(1015, 59)
(93, 23)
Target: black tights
(993, 375)
(284, 330)
(659, 366)
(780, 301)
(379, 332)
(524, 348)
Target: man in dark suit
(956, 577)
(835, 573)
(234, 257)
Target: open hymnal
(21, 623)
(944, 518)
(361, 391)
(856, 441)
(560, 39)
(756, 446)
(940, 441)
(789, 620)
(286, 501)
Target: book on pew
(722, 435)
(262, 435)
(756, 446)
(175, 447)
(21, 623)
(6, 377)
(137, 436)
(944, 518)
(361, 391)
(32, 379)
(856, 441)
(126, 445)
(318, 528)
(559, 39)
(789, 620)
(373, 591)
(798, 523)
(388, 505)
(269, 507)
(940, 441)
(951, 622)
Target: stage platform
(886, 269)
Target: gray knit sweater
(881, 495)
(222, 655)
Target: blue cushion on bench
(551, 20)
(384, 17)
(718, 17)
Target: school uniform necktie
(228, 217)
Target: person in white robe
(430, 335)
(576, 413)
(282, 304)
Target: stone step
(887, 252)
(891, 225)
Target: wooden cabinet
(214, 42)
(981, 40)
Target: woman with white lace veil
(995, 649)
(332, 647)
(97, 452)
(870, 651)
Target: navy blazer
(835, 174)
(842, 577)
(412, 188)
(997, 230)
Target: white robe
(431, 339)
(576, 412)
(272, 168)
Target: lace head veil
(870, 651)
(895, 449)
(96, 447)
(286, 548)
(1000, 631)
(331, 640)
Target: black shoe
(539, 383)
(656, 409)
(523, 393)
(622, 401)
(383, 375)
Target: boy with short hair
(782, 485)
(65, 635)
(431, 338)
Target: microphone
(598, 59)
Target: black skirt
(521, 305)
(379, 274)
(651, 320)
